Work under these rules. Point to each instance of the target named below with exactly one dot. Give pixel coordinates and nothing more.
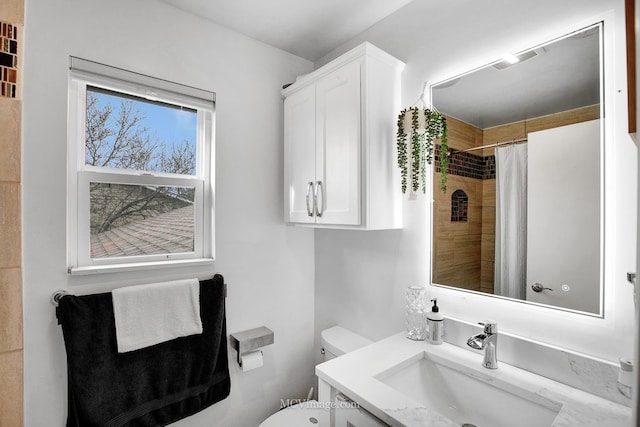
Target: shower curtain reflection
(511, 221)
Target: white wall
(268, 266)
(563, 216)
(361, 277)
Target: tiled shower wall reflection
(464, 251)
(458, 239)
(11, 375)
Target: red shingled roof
(170, 232)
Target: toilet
(336, 341)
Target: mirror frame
(606, 140)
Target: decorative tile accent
(467, 164)
(8, 60)
(489, 167)
(459, 206)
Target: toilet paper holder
(250, 340)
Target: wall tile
(12, 11)
(10, 123)
(489, 220)
(11, 389)
(488, 247)
(486, 276)
(10, 309)
(565, 118)
(462, 135)
(489, 192)
(10, 228)
(10, 249)
(505, 133)
(9, 204)
(11, 372)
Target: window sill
(140, 266)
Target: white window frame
(86, 73)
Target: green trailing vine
(422, 148)
(401, 137)
(444, 155)
(417, 150)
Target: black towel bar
(57, 296)
(60, 293)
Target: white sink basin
(468, 397)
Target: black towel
(153, 386)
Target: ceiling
(307, 28)
(560, 76)
(565, 76)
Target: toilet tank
(337, 341)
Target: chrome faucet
(487, 341)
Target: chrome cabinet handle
(537, 287)
(320, 187)
(309, 208)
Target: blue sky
(170, 125)
(167, 125)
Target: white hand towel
(150, 314)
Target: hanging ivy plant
(416, 147)
(401, 137)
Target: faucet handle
(490, 326)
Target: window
(140, 171)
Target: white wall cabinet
(339, 143)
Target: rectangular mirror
(523, 214)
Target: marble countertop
(356, 375)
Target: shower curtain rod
(497, 144)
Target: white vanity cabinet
(340, 411)
(339, 143)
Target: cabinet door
(338, 148)
(299, 155)
(350, 414)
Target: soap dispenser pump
(435, 324)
